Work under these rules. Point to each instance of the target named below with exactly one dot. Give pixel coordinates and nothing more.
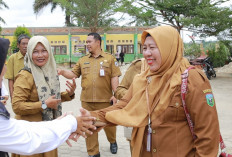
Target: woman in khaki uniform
(153, 106)
(37, 94)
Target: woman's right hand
(52, 102)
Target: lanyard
(149, 131)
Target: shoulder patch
(210, 99)
(207, 91)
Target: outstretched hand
(85, 123)
(72, 87)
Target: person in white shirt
(26, 138)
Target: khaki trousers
(92, 140)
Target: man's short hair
(22, 36)
(96, 36)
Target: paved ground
(222, 88)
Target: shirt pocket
(106, 67)
(175, 111)
(85, 69)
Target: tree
(40, 4)
(203, 16)
(2, 5)
(140, 16)
(94, 14)
(18, 31)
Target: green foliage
(39, 5)
(94, 14)
(192, 50)
(228, 44)
(219, 54)
(202, 16)
(3, 5)
(140, 16)
(18, 31)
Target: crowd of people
(148, 100)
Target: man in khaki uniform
(16, 61)
(100, 74)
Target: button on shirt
(96, 88)
(14, 65)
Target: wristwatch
(44, 105)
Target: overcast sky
(20, 13)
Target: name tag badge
(102, 72)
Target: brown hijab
(160, 85)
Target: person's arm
(115, 73)
(202, 109)
(4, 90)
(11, 88)
(22, 93)
(66, 73)
(23, 137)
(114, 83)
(26, 138)
(127, 79)
(9, 75)
(100, 114)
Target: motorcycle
(206, 65)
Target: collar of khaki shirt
(19, 55)
(102, 54)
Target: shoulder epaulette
(84, 55)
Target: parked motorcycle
(207, 66)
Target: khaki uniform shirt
(134, 69)
(14, 65)
(25, 102)
(171, 136)
(96, 88)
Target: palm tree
(40, 4)
(3, 5)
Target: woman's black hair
(148, 35)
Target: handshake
(85, 125)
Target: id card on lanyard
(102, 71)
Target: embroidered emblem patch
(207, 91)
(210, 99)
(116, 63)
